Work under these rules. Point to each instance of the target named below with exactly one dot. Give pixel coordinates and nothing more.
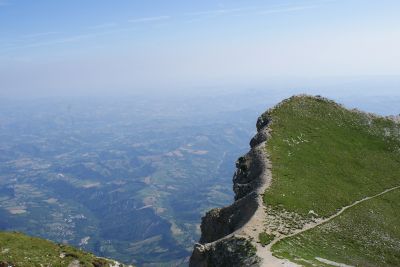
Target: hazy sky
(95, 46)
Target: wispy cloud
(60, 41)
(103, 26)
(40, 34)
(70, 39)
(149, 19)
(249, 10)
(54, 38)
(220, 11)
(79, 37)
(287, 9)
(104, 29)
(281, 8)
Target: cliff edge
(229, 234)
(320, 186)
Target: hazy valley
(125, 179)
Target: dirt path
(272, 261)
(256, 224)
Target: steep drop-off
(228, 234)
(319, 187)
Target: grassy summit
(19, 250)
(326, 157)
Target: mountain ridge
(225, 231)
(282, 223)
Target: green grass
(365, 235)
(325, 157)
(265, 238)
(20, 250)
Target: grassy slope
(366, 235)
(21, 250)
(325, 157)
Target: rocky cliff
(229, 234)
(336, 186)
(395, 118)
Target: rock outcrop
(395, 118)
(229, 234)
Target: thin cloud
(102, 26)
(150, 19)
(78, 37)
(245, 10)
(40, 34)
(70, 39)
(61, 41)
(289, 9)
(220, 11)
(110, 28)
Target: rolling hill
(19, 250)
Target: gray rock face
(218, 246)
(232, 252)
(258, 138)
(245, 179)
(219, 223)
(395, 118)
(262, 121)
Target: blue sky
(96, 46)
